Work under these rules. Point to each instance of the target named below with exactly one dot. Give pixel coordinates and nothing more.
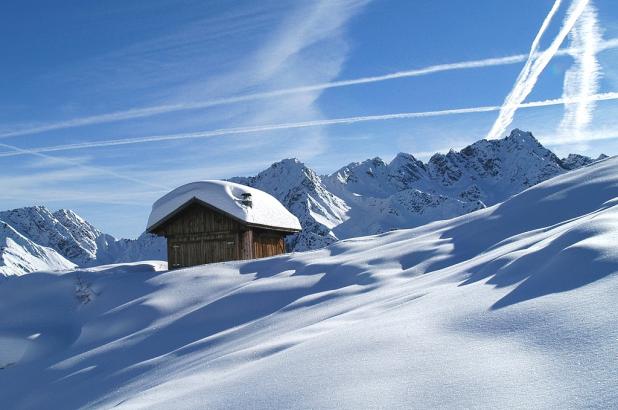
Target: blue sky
(78, 72)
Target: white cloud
(310, 124)
(79, 165)
(582, 79)
(273, 71)
(534, 66)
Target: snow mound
(229, 197)
(511, 306)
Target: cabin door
(184, 253)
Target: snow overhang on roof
(230, 198)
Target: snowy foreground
(510, 306)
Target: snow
(227, 197)
(373, 196)
(19, 255)
(62, 239)
(360, 199)
(511, 306)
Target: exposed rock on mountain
(374, 196)
(19, 255)
(359, 199)
(35, 238)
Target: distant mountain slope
(359, 199)
(64, 239)
(304, 194)
(374, 196)
(512, 306)
(19, 255)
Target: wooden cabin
(216, 221)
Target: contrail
(168, 108)
(40, 153)
(534, 67)
(516, 95)
(583, 77)
(306, 124)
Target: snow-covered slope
(374, 196)
(19, 255)
(303, 193)
(69, 237)
(359, 199)
(511, 306)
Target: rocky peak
(523, 138)
(368, 178)
(574, 161)
(404, 170)
(282, 176)
(302, 191)
(42, 239)
(444, 168)
(40, 225)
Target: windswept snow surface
(228, 197)
(512, 306)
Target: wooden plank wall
(196, 219)
(198, 250)
(246, 245)
(200, 235)
(267, 243)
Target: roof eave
(194, 199)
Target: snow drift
(509, 306)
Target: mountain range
(361, 198)
(373, 196)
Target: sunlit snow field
(510, 306)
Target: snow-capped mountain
(35, 238)
(574, 161)
(361, 198)
(374, 196)
(19, 255)
(303, 193)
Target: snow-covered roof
(228, 197)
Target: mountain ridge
(358, 199)
(67, 240)
(374, 196)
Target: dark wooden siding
(267, 243)
(201, 249)
(198, 234)
(197, 219)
